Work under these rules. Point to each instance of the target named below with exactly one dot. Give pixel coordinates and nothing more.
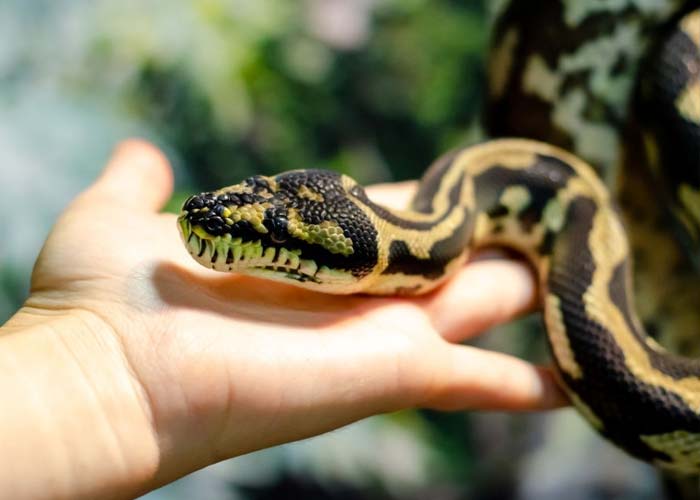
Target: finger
(486, 292)
(138, 175)
(472, 378)
(395, 195)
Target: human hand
(183, 367)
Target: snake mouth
(228, 254)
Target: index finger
(395, 195)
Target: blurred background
(373, 88)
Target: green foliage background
(260, 93)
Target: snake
(537, 187)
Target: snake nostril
(193, 202)
(200, 201)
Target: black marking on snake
(258, 183)
(431, 182)
(621, 65)
(447, 249)
(504, 116)
(547, 244)
(614, 394)
(498, 211)
(401, 260)
(618, 288)
(543, 179)
(543, 31)
(677, 138)
(453, 200)
(676, 367)
(325, 182)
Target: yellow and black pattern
(319, 230)
(669, 112)
(563, 72)
(524, 194)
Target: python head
(301, 227)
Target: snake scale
(617, 83)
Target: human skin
(130, 365)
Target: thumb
(137, 175)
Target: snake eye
(277, 238)
(277, 226)
(356, 191)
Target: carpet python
(604, 96)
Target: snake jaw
(225, 253)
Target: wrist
(76, 405)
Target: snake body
(319, 229)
